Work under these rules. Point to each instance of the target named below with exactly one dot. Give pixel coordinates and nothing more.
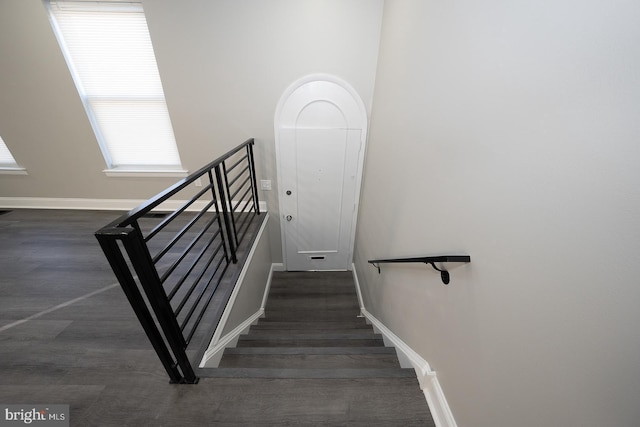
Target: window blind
(110, 55)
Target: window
(108, 50)
(8, 164)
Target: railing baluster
(225, 213)
(253, 176)
(231, 210)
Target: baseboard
(69, 203)
(216, 339)
(95, 204)
(355, 279)
(438, 405)
(276, 266)
(408, 358)
(213, 354)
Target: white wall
(223, 64)
(510, 131)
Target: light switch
(265, 184)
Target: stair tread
(310, 350)
(310, 373)
(265, 324)
(310, 361)
(311, 343)
(312, 334)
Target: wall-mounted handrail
(177, 260)
(444, 274)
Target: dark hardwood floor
(68, 336)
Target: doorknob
(288, 192)
(289, 217)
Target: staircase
(311, 331)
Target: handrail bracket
(444, 274)
(376, 265)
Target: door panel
(319, 173)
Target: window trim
(8, 170)
(122, 172)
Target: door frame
(287, 112)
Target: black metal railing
(444, 274)
(171, 253)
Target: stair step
(311, 340)
(310, 361)
(309, 373)
(311, 343)
(307, 296)
(265, 324)
(312, 333)
(287, 289)
(309, 350)
(306, 315)
(332, 293)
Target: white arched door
(320, 127)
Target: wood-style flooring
(68, 336)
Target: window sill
(146, 173)
(8, 170)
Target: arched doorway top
(321, 100)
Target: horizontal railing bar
(247, 220)
(245, 216)
(176, 213)
(238, 176)
(230, 168)
(182, 303)
(180, 282)
(248, 180)
(153, 202)
(200, 295)
(188, 249)
(242, 199)
(182, 232)
(206, 304)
